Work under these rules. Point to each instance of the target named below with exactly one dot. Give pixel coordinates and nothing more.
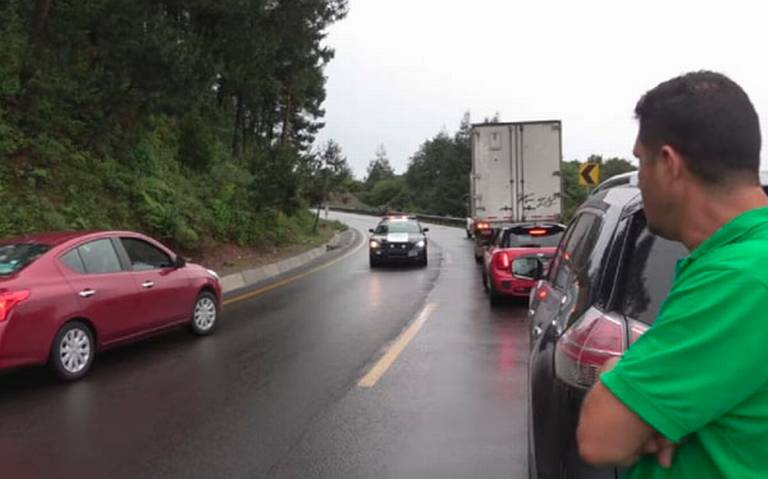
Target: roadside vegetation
(436, 180)
(194, 121)
(191, 120)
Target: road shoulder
(241, 282)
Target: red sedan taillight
(9, 300)
(502, 261)
(589, 343)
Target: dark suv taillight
(587, 345)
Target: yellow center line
(381, 367)
(292, 279)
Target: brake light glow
(502, 261)
(9, 300)
(587, 345)
(483, 226)
(542, 294)
(537, 232)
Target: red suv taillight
(502, 261)
(587, 345)
(9, 300)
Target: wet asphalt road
(274, 393)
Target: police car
(398, 239)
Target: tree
(389, 194)
(438, 174)
(326, 172)
(337, 165)
(213, 102)
(573, 193)
(615, 166)
(379, 168)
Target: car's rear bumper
(9, 358)
(508, 285)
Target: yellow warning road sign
(589, 174)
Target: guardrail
(433, 219)
(443, 220)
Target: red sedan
(65, 296)
(511, 259)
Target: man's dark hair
(709, 119)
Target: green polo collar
(733, 230)
(728, 233)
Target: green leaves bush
(188, 120)
(152, 191)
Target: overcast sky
(406, 69)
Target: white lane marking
(386, 361)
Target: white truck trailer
(515, 176)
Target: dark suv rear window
(649, 271)
(14, 257)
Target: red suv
(511, 260)
(65, 296)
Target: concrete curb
(250, 277)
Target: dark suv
(604, 288)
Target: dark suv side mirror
(370, 230)
(424, 230)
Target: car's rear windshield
(649, 272)
(14, 257)
(533, 236)
(398, 227)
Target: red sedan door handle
(87, 293)
(147, 284)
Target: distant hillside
(194, 124)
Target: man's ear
(673, 161)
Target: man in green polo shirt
(690, 398)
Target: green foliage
(389, 193)
(275, 185)
(438, 174)
(186, 119)
(325, 173)
(379, 168)
(615, 166)
(573, 193)
(12, 34)
(197, 145)
(436, 181)
(11, 139)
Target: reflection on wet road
(274, 393)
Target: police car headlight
(421, 244)
(375, 244)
